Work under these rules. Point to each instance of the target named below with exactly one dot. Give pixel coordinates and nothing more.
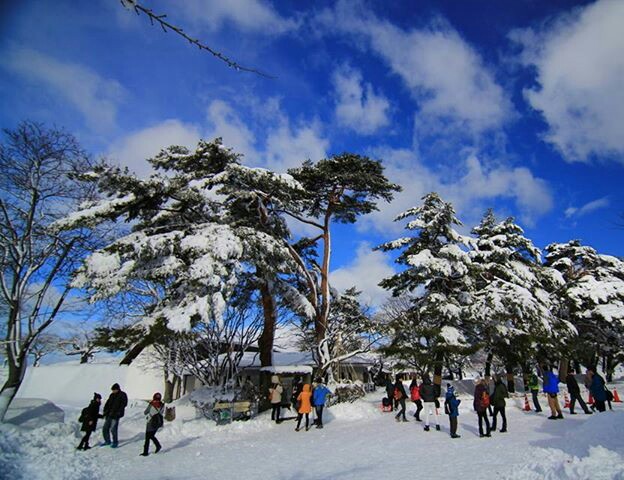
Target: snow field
(359, 442)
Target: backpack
(397, 393)
(485, 400)
(170, 413)
(83, 414)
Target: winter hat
(450, 389)
(97, 396)
(156, 396)
(115, 386)
(274, 379)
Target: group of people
(114, 410)
(492, 402)
(303, 397)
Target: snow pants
(84, 443)
(402, 411)
(534, 394)
(300, 416)
(483, 417)
(150, 435)
(319, 415)
(430, 409)
(419, 407)
(573, 398)
(275, 412)
(453, 424)
(500, 410)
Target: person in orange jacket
(304, 407)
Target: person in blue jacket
(551, 388)
(597, 389)
(451, 407)
(319, 394)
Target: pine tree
(593, 299)
(438, 272)
(513, 311)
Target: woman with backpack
(481, 403)
(415, 397)
(400, 395)
(154, 416)
(89, 417)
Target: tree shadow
(181, 444)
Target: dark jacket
(390, 389)
(451, 404)
(89, 421)
(115, 405)
(428, 391)
(573, 386)
(499, 395)
(401, 387)
(597, 388)
(477, 404)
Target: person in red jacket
(481, 403)
(415, 397)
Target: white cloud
(445, 75)
(472, 188)
(288, 146)
(133, 150)
(226, 123)
(247, 15)
(357, 106)
(95, 97)
(580, 70)
(588, 208)
(365, 272)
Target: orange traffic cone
(527, 407)
(616, 397)
(590, 400)
(566, 400)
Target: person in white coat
(275, 397)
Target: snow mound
(33, 413)
(46, 453)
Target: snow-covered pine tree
(336, 189)
(185, 253)
(513, 311)
(438, 273)
(593, 300)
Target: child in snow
(305, 407)
(154, 416)
(451, 408)
(89, 418)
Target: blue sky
(517, 106)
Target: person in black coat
(400, 395)
(89, 418)
(114, 409)
(429, 396)
(390, 392)
(575, 394)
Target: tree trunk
(84, 358)
(269, 309)
(511, 384)
(488, 366)
(526, 370)
(437, 372)
(17, 370)
(563, 369)
(609, 369)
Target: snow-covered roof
(297, 359)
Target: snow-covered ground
(358, 442)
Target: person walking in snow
(451, 408)
(114, 410)
(400, 395)
(319, 395)
(498, 401)
(305, 407)
(480, 404)
(597, 389)
(534, 387)
(275, 397)
(575, 394)
(154, 416)
(428, 396)
(551, 387)
(390, 393)
(415, 397)
(89, 417)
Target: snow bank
(74, 384)
(33, 413)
